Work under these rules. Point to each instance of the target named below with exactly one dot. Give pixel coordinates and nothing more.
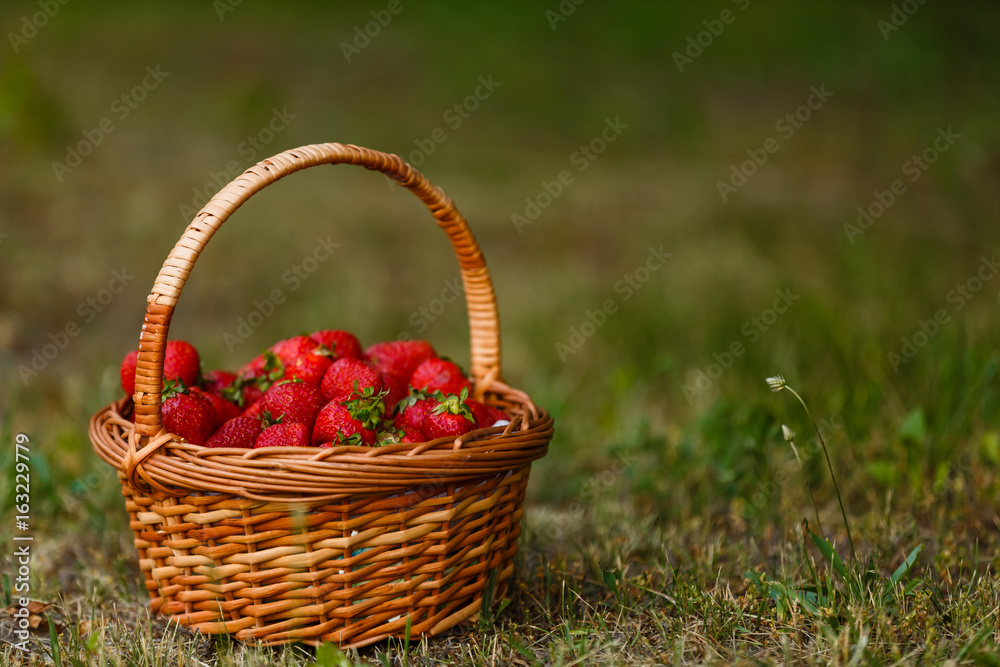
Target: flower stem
(840, 501)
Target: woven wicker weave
(348, 543)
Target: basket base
(351, 571)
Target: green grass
(666, 524)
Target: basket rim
(170, 466)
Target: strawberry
(340, 343)
(352, 423)
(237, 432)
(451, 417)
(399, 357)
(481, 413)
(181, 362)
(411, 413)
(446, 425)
(256, 409)
(188, 414)
(486, 415)
(296, 401)
(291, 434)
(439, 375)
(309, 368)
(396, 360)
(224, 410)
(335, 425)
(216, 381)
(346, 378)
(290, 349)
(127, 372)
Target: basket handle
(479, 296)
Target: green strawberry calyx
(234, 392)
(273, 370)
(354, 439)
(368, 408)
(453, 405)
(267, 420)
(172, 388)
(411, 399)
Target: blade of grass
(905, 566)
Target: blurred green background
(226, 68)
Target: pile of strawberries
(318, 390)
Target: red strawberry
(216, 381)
(439, 375)
(396, 360)
(481, 412)
(188, 414)
(486, 415)
(294, 402)
(237, 432)
(127, 372)
(291, 434)
(309, 368)
(353, 423)
(340, 343)
(224, 410)
(226, 413)
(335, 425)
(181, 362)
(399, 357)
(411, 413)
(256, 410)
(446, 425)
(290, 349)
(342, 376)
(451, 417)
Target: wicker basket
(345, 544)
